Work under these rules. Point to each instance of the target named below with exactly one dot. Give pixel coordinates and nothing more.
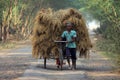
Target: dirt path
(19, 65)
(14, 62)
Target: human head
(69, 26)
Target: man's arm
(62, 36)
(74, 37)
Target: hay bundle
(44, 35)
(72, 15)
(49, 26)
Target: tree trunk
(4, 34)
(1, 32)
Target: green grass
(110, 55)
(7, 45)
(113, 56)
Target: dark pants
(71, 52)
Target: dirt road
(18, 64)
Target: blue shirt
(69, 36)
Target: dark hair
(69, 24)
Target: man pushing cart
(48, 27)
(70, 49)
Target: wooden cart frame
(61, 58)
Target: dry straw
(49, 26)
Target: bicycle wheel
(61, 63)
(61, 59)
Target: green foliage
(108, 13)
(106, 45)
(105, 11)
(18, 15)
(2, 7)
(59, 4)
(113, 56)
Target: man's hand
(73, 40)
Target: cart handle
(60, 41)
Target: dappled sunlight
(104, 74)
(88, 30)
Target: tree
(108, 13)
(17, 16)
(3, 4)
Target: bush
(106, 45)
(7, 45)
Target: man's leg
(68, 60)
(68, 57)
(73, 56)
(73, 64)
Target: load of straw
(49, 26)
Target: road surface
(18, 64)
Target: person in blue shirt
(70, 35)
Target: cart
(61, 57)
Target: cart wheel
(61, 64)
(45, 63)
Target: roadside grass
(7, 45)
(115, 57)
